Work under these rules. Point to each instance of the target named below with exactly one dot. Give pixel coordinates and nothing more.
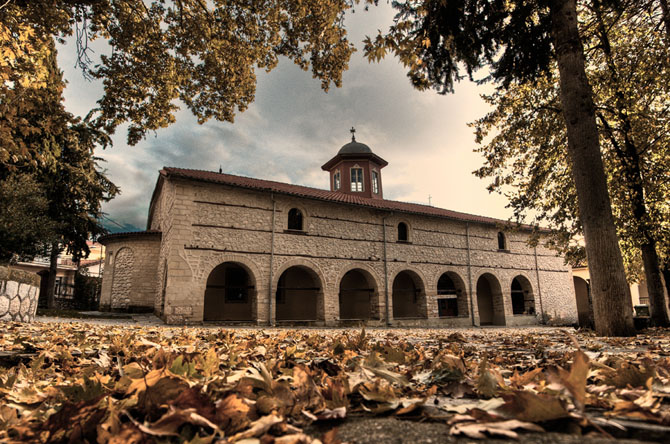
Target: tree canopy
(52, 158)
(201, 53)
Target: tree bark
(612, 306)
(666, 277)
(51, 279)
(654, 284)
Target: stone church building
(234, 249)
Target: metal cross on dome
(353, 136)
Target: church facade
(232, 249)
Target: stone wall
(19, 291)
(205, 225)
(131, 272)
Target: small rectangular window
(375, 182)
(357, 179)
(336, 181)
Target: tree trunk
(51, 280)
(665, 270)
(654, 284)
(666, 277)
(612, 306)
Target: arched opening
(523, 300)
(298, 293)
(490, 301)
(403, 235)
(502, 242)
(409, 297)
(584, 307)
(451, 296)
(230, 294)
(295, 219)
(357, 295)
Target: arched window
(502, 242)
(294, 219)
(402, 232)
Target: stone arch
(584, 305)
(122, 278)
(452, 299)
(522, 296)
(231, 293)
(409, 295)
(358, 293)
(210, 263)
(299, 292)
(490, 300)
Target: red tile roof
(325, 195)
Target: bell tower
(356, 170)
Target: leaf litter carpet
(80, 382)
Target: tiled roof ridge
(333, 196)
(106, 237)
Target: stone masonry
(19, 291)
(201, 220)
(129, 282)
(210, 224)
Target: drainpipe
(386, 276)
(539, 289)
(467, 244)
(271, 300)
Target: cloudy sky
(293, 127)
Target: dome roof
(354, 147)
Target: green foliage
(51, 185)
(524, 137)
(435, 40)
(24, 225)
(202, 53)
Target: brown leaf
(296, 438)
(575, 380)
(157, 388)
(174, 419)
(505, 429)
(194, 398)
(258, 427)
(519, 381)
(337, 413)
(488, 381)
(232, 414)
(528, 406)
(628, 374)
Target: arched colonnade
(231, 294)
